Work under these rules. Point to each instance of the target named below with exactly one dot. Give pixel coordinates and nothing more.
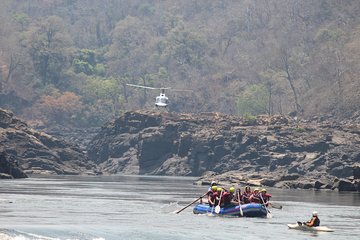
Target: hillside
(68, 62)
(266, 150)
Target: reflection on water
(141, 207)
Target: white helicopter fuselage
(162, 100)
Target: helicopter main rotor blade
(141, 86)
(181, 90)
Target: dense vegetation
(68, 61)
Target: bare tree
(284, 58)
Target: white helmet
(213, 183)
(315, 213)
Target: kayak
(249, 210)
(306, 228)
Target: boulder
(344, 185)
(289, 177)
(356, 172)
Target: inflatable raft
(306, 228)
(249, 210)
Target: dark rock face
(38, 153)
(9, 168)
(272, 150)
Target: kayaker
(245, 197)
(314, 221)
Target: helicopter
(162, 100)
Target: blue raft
(249, 210)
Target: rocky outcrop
(9, 168)
(35, 152)
(272, 151)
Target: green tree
(48, 47)
(104, 97)
(253, 100)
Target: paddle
(190, 204)
(241, 212)
(276, 206)
(268, 212)
(217, 208)
(212, 210)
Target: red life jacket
(226, 198)
(245, 197)
(214, 195)
(255, 198)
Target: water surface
(142, 207)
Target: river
(142, 207)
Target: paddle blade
(217, 209)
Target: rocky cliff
(266, 150)
(33, 152)
(9, 168)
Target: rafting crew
(230, 197)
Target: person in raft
(255, 196)
(210, 191)
(265, 198)
(213, 183)
(245, 197)
(212, 195)
(313, 222)
(229, 198)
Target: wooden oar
(268, 212)
(217, 208)
(241, 212)
(178, 211)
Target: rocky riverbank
(267, 150)
(27, 151)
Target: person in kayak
(245, 197)
(313, 222)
